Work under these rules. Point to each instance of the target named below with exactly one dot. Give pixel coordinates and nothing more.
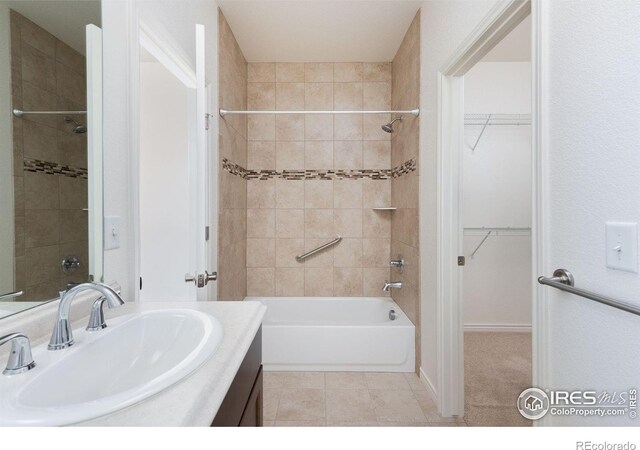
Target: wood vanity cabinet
(242, 406)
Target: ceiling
(516, 46)
(65, 19)
(313, 30)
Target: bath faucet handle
(397, 263)
(20, 359)
(96, 317)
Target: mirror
(50, 150)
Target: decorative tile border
(51, 168)
(328, 174)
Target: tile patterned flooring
(349, 399)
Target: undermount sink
(137, 356)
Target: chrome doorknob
(201, 279)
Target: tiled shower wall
(232, 235)
(50, 161)
(405, 94)
(314, 177)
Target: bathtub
(336, 334)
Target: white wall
(497, 193)
(593, 176)
(444, 25)
(120, 76)
(164, 184)
(6, 157)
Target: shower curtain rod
(224, 112)
(20, 113)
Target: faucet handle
(20, 359)
(96, 317)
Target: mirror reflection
(43, 150)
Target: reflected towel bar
(20, 113)
(319, 249)
(563, 279)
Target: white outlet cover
(111, 233)
(622, 246)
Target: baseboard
(498, 328)
(429, 386)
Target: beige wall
(232, 232)
(405, 94)
(50, 161)
(319, 177)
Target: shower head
(388, 127)
(78, 128)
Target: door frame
(501, 20)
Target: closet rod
(225, 112)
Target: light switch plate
(622, 246)
(111, 233)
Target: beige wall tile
(289, 282)
(318, 282)
(261, 253)
(261, 282)
(347, 194)
(376, 193)
(347, 154)
(289, 194)
(290, 127)
(40, 142)
(261, 96)
(318, 223)
(287, 250)
(377, 71)
(318, 194)
(375, 223)
(41, 227)
(318, 155)
(377, 95)
(348, 253)
(261, 155)
(73, 225)
(38, 68)
(37, 37)
(344, 72)
(348, 127)
(261, 72)
(318, 96)
(318, 72)
(375, 252)
(261, 127)
(43, 264)
(373, 280)
(318, 127)
(372, 127)
(41, 191)
(73, 193)
(321, 259)
(290, 223)
(376, 155)
(290, 96)
(290, 155)
(261, 194)
(347, 96)
(290, 72)
(347, 223)
(70, 58)
(347, 282)
(261, 223)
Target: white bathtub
(336, 334)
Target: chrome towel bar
(225, 112)
(563, 279)
(20, 113)
(319, 249)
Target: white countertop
(194, 401)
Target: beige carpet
(497, 369)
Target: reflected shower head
(388, 127)
(78, 127)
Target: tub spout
(388, 285)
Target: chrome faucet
(62, 336)
(96, 317)
(388, 285)
(20, 359)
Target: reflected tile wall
(50, 185)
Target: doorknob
(201, 279)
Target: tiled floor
(349, 399)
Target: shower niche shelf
(384, 208)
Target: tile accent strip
(51, 168)
(327, 174)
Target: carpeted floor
(497, 369)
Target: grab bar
(563, 279)
(319, 249)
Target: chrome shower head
(388, 127)
(78, 127)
